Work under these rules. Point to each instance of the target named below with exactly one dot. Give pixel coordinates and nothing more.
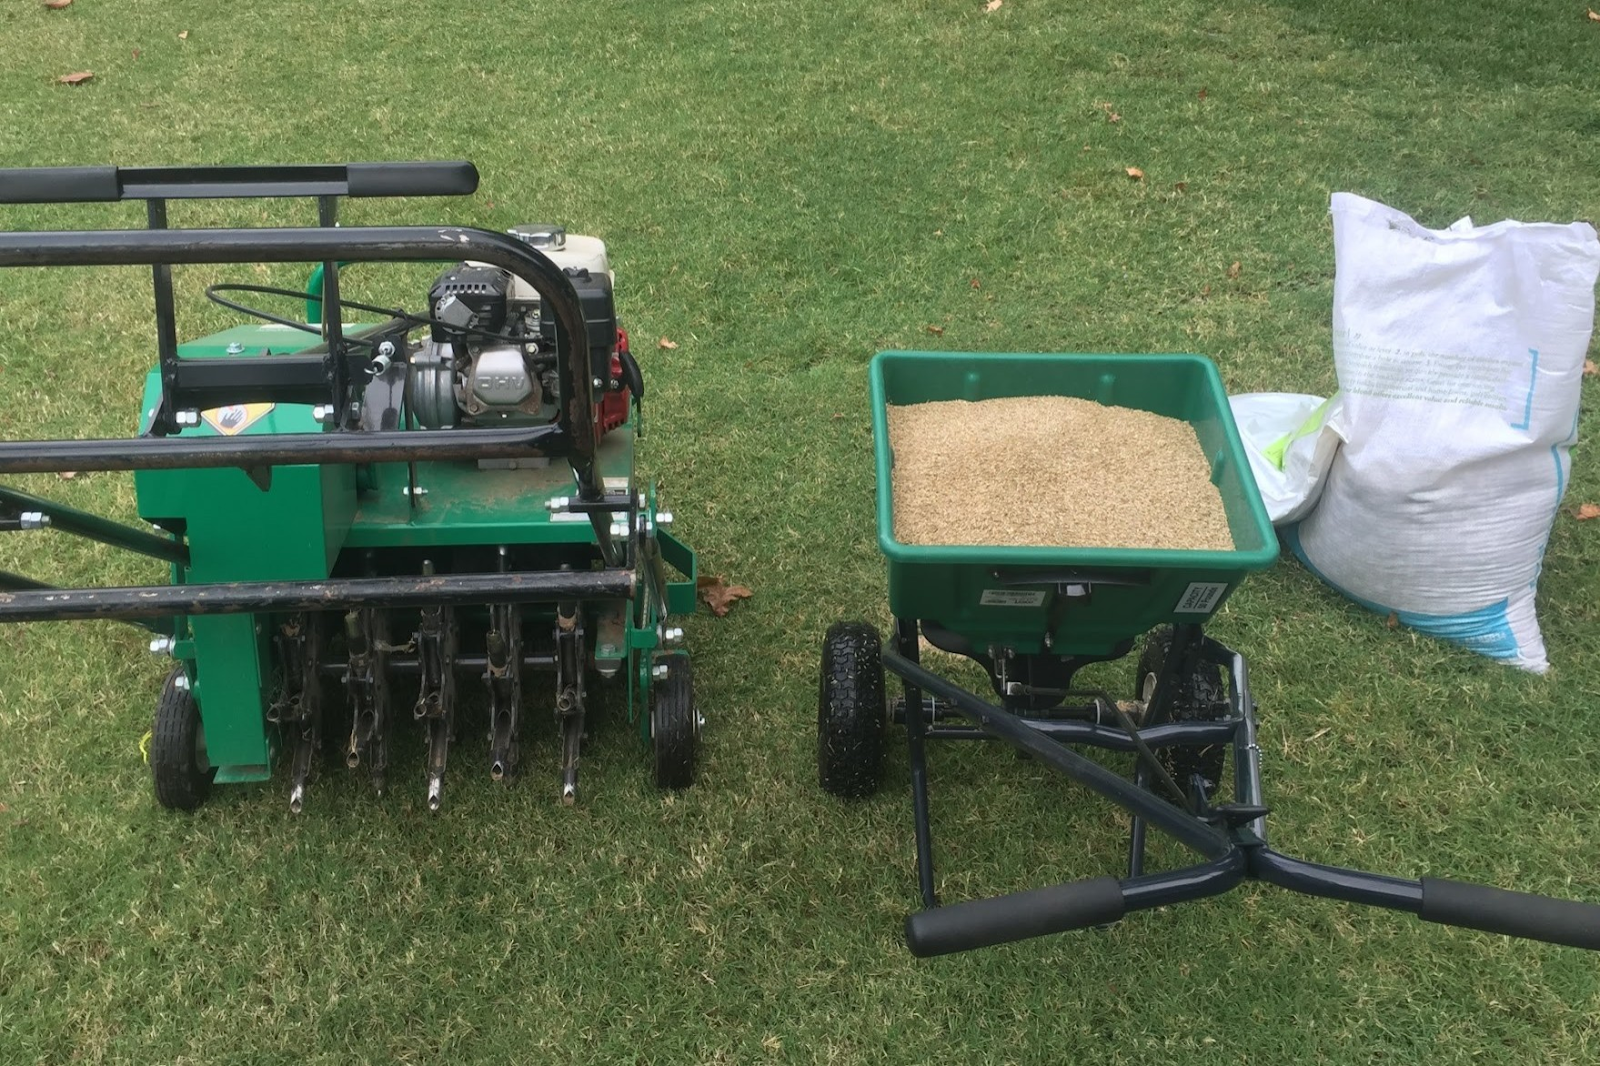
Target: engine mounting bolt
(235, 348)
(672, 636)
(33, 520)
(322, 413)
(187, 418)
(663, 518)
(659, 671)
(162, 646)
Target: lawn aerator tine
(298, 708)
(503, 676)
(569, 695)
(436, 696)
(367, 683)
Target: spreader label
(1201, 597)
(1011, 598)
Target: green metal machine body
(467, 544)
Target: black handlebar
(981, 923)
(1495, 910)
(106, 184)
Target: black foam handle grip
(59, 185)
(457, 178)
(1494, 910)
(982, 923)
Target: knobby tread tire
(182, 781)
(1201, 696)
(850, 711)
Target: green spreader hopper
(426, 516)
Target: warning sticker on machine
(1011, 598)
(236, 417)
(1201, 597)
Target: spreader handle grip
(982, 923)
(1494, 910)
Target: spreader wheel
(850, 711)
(1201, 696)
(674, 724)
(178, 747)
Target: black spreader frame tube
(1232, 839)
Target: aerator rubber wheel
(178, 747)
(1201, 697)
(850, 711)
(674, 724)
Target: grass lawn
(786, 188)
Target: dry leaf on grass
(1593, 16)
(184, 36)
(67, 475)
(1233, 271)
(1135, 173)
(1181, 186)
(719, 595)
(1393, 621)
(976, 284)
(664, 343)
(1111, 112)
(76, 79)
(1202, 94)
(993, 5)
(1587, 511)
(56, 5)
(1589, 369)
(937, 331)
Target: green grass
(787, 188)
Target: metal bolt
(181, 682)
(664, 518)
(162, 646)
(659, 671)
(418, 492)
(599, 383)
(33, 520)
(557, 504)
(322, 413)
(187, 418)
(386, 350)
(235, 348)
(619, 529)
(672, 636)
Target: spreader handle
(981, 923)
(1494, 910)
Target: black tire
(1201, 696)
(850, 711)
(674, 724)
(178, 747)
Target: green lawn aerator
(354, 514)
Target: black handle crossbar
(105, 184)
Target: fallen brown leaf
(1233, 271)
(664, 343)
(1593, 15)
(719, 595)
(1589, 369)
(992, 5)
(183, 36)
(1135, 173)
(136, 53)
(67, 475)
(1202, 94)
(976, 284)
(1111, 112)
(1181, 186)
(1205, 292)
(1393, 621)
(937, 331)
(76, 79)
(56, 5)
(1587, 511)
